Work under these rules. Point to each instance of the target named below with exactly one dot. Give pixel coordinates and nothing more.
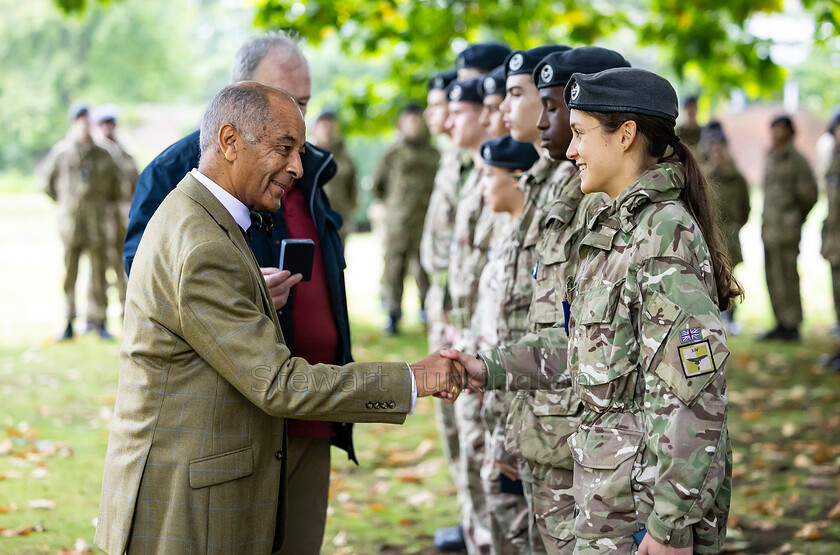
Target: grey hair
(244, 106)
(253, 50)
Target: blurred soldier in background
(341, 189)
(689, 130)
(493, 92)
(403, 181)
(84, 180)
(831, 226)
(790, 191)
(732, 195)
(106, 117)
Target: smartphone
(296, 256)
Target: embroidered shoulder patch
(697, 359)
(691, 334)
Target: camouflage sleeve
(807, 191)
(682, 356)
(537, 361)
(380, 175)
(50, 174)
(742, 203)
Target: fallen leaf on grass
(40, 473)
(834, 513)
(407, 522)
(42, 504)
(771, 507)
(426, 498)
(818, 483)
(21, 531)
(377, 507)
(812, 531)
(752, 415)
(4, 509)
(399, 457)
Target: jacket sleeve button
(392, 405)
(369, 405)
(278, 455)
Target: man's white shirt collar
(233, 205)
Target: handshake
(445, 374)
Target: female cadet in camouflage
(504, 295)
(646, 343)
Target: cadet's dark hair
(658, 134)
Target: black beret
(555, 69)
(484, 56)
(441, 80)
(524, 61)
(623, 89)
(713, 133)
(783, 120)
(493, 82)
(505, 152)
(465, 91)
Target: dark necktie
(262, 221)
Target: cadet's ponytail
(697, 196)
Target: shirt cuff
(413, 390)
(669, 535)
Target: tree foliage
(704, 44)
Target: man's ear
(229, 142)
(628, 134)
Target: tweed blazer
(194, 461)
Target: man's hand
(438, 376)
(650, 546)
(279, 283)
(476, 370)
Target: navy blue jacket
(164, 173)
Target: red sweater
(316, 337)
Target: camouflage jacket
(471, 237)
(733, 203)
(647, 355)
(790, 191)
(436, 242)
(831, 226)
(83, 179)
(404, 181)
(341, 190)
(128, 169)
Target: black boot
(103, 332)
(68, 332)
(392, 326)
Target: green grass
(784, 420)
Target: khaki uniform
(474, 225)
(790, 191)
(117, 219)
(690, 136)
(404, 181)
(435, 246)
(341, 189)
(831, 227)
(733, 204)
(540, 421)
(501, 316)
(647, 356)
(84, 180)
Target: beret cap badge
(486, 153)
(456, 93)
(547, 74)
(438, 82)
(489, 85)
(516, 62)
(575, 91)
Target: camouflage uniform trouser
(537, 429)
(474, 516)
(115, 235)
(98, 259)
(783, 283)
(401, 256)
(508, 512)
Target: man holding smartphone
(275, 59)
